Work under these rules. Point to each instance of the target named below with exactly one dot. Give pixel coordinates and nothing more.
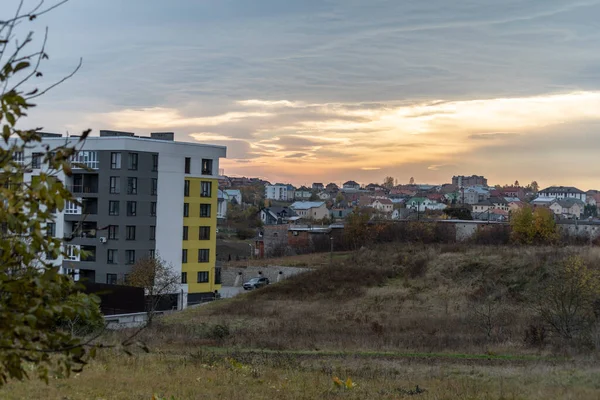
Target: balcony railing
(83, 189)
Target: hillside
(437, 322)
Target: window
(125, 279)
(89, 159)
(184, 256)
(204, 233)
(202, 276)
(152, 253)
(111, 279)
(115, 160)
(186, 209)
(130, 256)
(72, 207)
(153, 233)
(111, 256)
(188, 161)
(207, 166)
(130, 232)
(154, 188)
(133, 161)
(205, 210)
(51, 229)
(131, 185)
(205, 189)
(113, 207)
(154, 162)
(19, 157)
(186, 188)
(185, 233)
(203, 255)
(131, 208)
(184, 277)
(153, 209)
(113, 232)
(36, 160)
(115, 184)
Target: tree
(531, 226)
(158, 279)
(517, 183)
(533, 187)
(34, 296)
(356, 228)
(388, 182)
(313, 197)
(567, 302)
(411, 181)
(590, 210)
(339, 198)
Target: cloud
(211, 137)
(370, 168)
(493, 135)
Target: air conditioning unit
(103, 239)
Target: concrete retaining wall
(229, 274)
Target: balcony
(83, 184)
(81, 253)
(81, 230)
(85, 160)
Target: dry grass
(379, 316)
(302, 260)
(206, 375)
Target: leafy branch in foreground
(36, 300)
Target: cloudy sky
(331, 90)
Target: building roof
(498, 200)
(233, 192)
(353, 183)
(306, 205)
(569, 202)
(562, 189)
(512, 189)
(383, 201)
(279, 212)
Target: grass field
(435, 322)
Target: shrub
(245, 233)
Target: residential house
(515, 205)
(473, 195)
(493, 203)
(422, 203)
(401, 213)
(513, 191)
(562, 192)
(324, 196)
(491, 215)
(302, 193)
(279, 192)
(235, 196)
(332, 187)
(277, 215)
(310, 209)
(383, 205)
(592, 197)
(568, 208)
(318, 186)
(222, 204)
(351, 185)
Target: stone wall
(229, 274)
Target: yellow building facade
(199, 236)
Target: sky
(336, 90)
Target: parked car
(256, 283)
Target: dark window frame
(203, 192)
(132, 185)
(112, 256)
(111, 279)
(132, 161)
(184, 278)
(116, 188)
(203, 277)
(112, 210)
(188, 165)
(186, 210)
(113, 232)
(201, 255)
(130, 232)
(153, 209)
(113, 160)
(131, 208)
(152, 233)
(207, 166)
(154, 162)
(184, 256)
(153, 186)
(204, 233)
(130, 260)
(186, 231)
(186, 188)
(205, 210)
